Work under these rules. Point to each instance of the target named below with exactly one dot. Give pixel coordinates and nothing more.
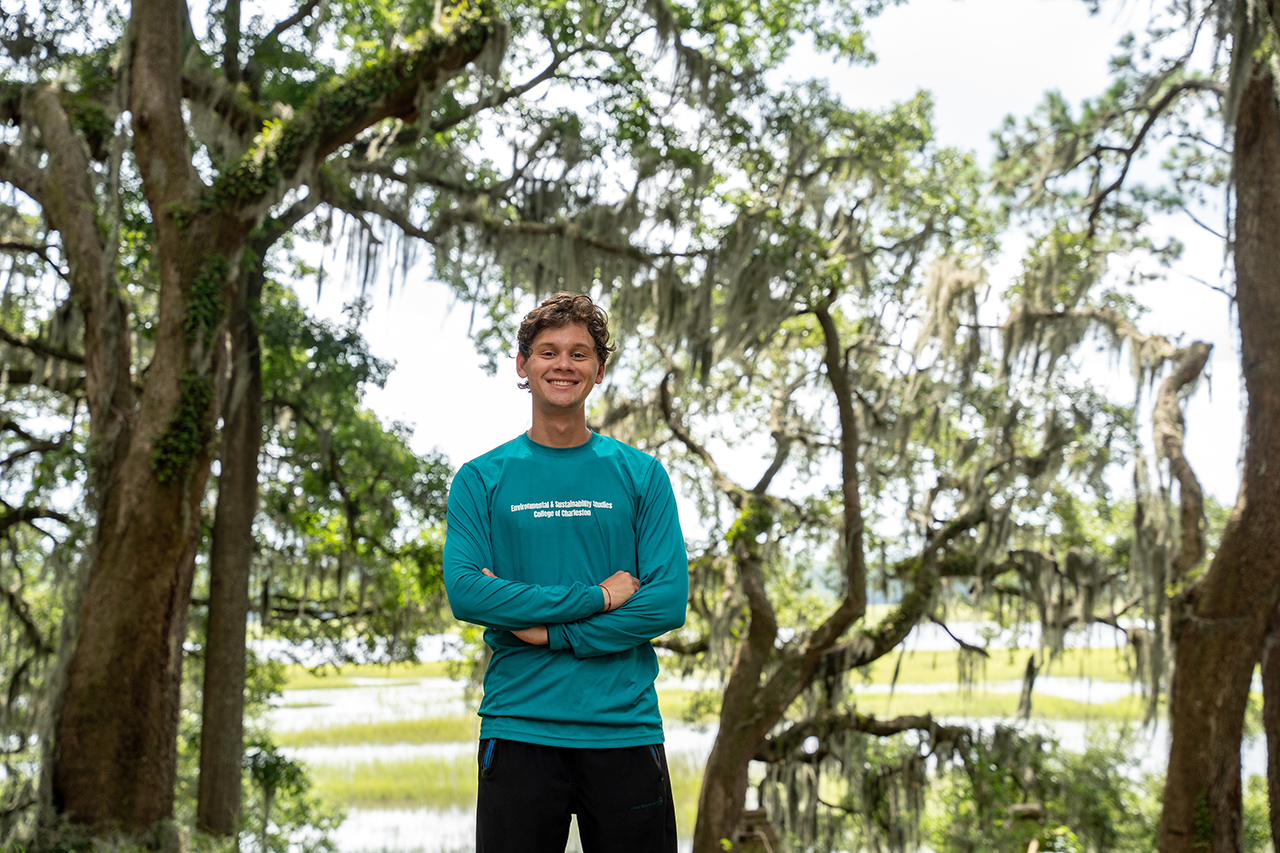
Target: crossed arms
(616, 589)
(569, 617)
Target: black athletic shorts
(622, 798)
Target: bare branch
(782, 440)
(1154, 113)
(296, 18)
(29, 514)
(27, 178)
(968, 647)
(737, 494)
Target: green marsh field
(394, 746)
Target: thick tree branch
(39, 347)
(13, 516)
(854, 603)
(1168, 427)
(691, 647)
(342, 110)
(16, 171)
(874, 643)
(787, 744)
(69, 385)
(241, 117)
(231, 41)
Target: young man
(565, 545)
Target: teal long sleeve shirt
(552, 523)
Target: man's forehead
(570, 334)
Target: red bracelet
(608, 599)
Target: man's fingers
(620, 586)
(487, 573)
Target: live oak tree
(156, 158)
(1216, 120)
(344, 530)
(110, 757)
(916, 429)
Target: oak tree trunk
(744, 719)
(1220, 623)
(222, 715)
(115, 766)
(1271, 718)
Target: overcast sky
(982, 60)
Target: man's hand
(619, 587)
(535, 636)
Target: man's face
(562, 368)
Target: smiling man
(566, 546)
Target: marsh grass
(435, 782)
(426, 782)
(299, 677)
(686, 781)
(700, 706)
(954, 696)
(421, 730)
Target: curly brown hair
(560, 310)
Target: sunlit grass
(422, 730)
(327, 677)
(979, 703)
(940, 667)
